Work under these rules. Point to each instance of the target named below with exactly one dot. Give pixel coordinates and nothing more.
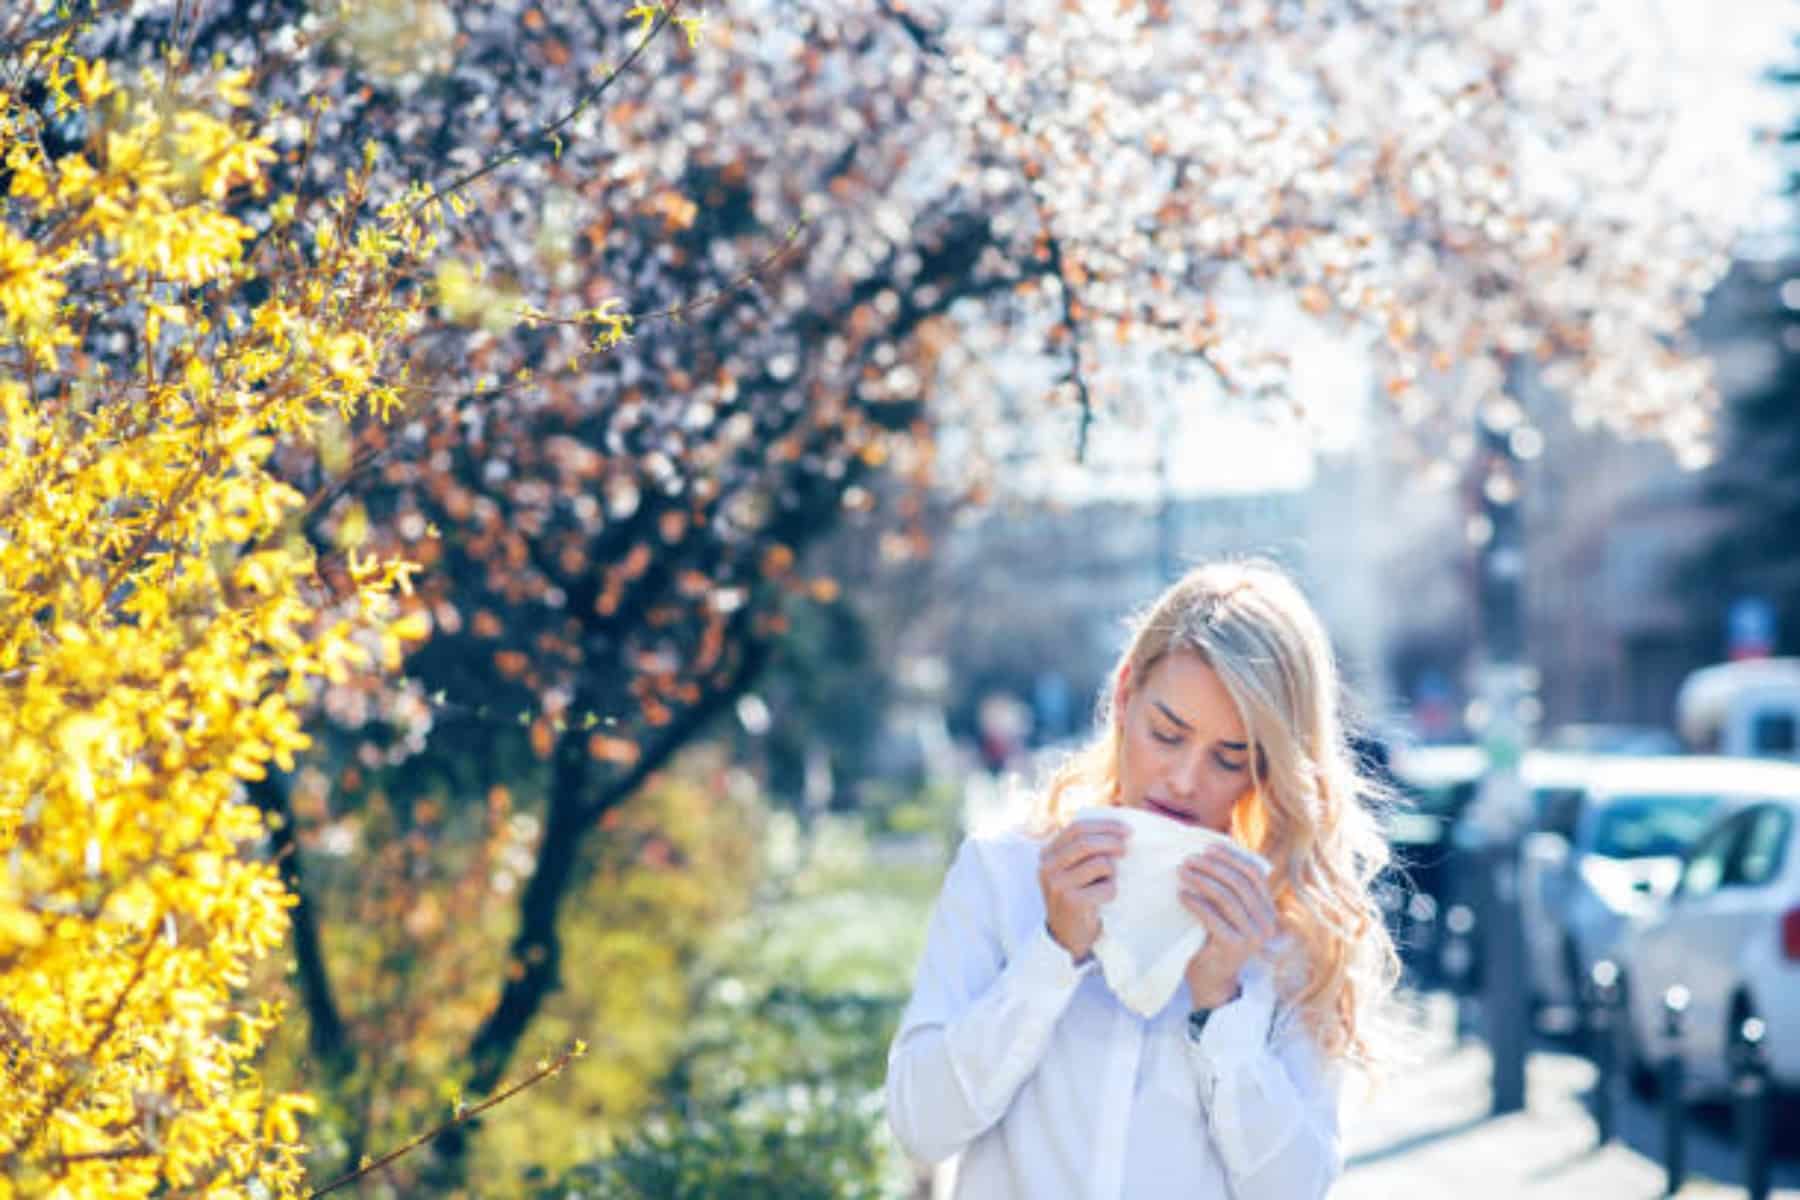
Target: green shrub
(806, 1146)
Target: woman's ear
(1121, 693)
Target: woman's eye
(1167, 739)
(1233, 767)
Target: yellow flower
(28, 293)
(91, 79)
(155, 635)
(644, 15)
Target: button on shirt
(1051, 1089)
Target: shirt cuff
(1235, 1033)
(1044, 966)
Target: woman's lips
(1185, 818)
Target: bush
(776, 1091)
(805, 1147)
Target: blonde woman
(1222, 713)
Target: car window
(1639, 826)
(1558, 810)
(1773, 732)
(1759, 852)
(1704, 870)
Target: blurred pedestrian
(1222, 714)
(1004, 722)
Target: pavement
(1427, 1133)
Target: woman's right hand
(1075, 873)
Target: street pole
(1506, 687)
(1166, 565)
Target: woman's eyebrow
(1223, 744)
(1170, 713)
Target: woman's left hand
(1232, 900)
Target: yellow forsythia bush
(162, 615)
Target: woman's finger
(1253, 885)
(1092, 870)
(1075, 835)
(1100, 891)
(1227, 905)
(1072, 848)
(1249, 896)
(1209, 915)
(1079, 829)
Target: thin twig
(769, 261)
(550, 130)
(116, 574)
(63, 1160)
(538, 1076)
(1073, 375)
(41, 1118)
(930, 43)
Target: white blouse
(1053, 1090)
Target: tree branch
(536, 948)
(463, 1115)
(549, 132)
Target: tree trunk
(326, 1033)
(536, 950)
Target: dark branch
(327, 1036)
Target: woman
(1223, 713)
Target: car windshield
(1651, 826)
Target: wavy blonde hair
(1311, 813)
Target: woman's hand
(1075, 873)
(1229, 897)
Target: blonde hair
(1311, 812)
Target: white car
(1609, 852)
(1729, 935)
(1556, 784)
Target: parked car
(1555, 786)
(1729, 935)
(1435, 784)
(1609, 852)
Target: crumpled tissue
(1146, 936)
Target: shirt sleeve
(980, 1018)
(1270, 1099)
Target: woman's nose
(1184, 780)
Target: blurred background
(941, 369)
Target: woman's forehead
(1189, 692)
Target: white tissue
(1146, 936)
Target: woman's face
(1184, 752)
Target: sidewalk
(1427, 1133)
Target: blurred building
(1044, 589)
(1606, 523)
(1609, 526)
(1387, 551)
